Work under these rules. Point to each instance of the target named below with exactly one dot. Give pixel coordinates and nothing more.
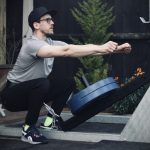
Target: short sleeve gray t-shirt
(28, 65)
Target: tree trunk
(2, 31)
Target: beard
(47, 34)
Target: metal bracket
(143, 20)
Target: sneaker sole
(32, 142)
(43, 127)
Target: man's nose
(52, 22)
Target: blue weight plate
(76, 105)
(89, 94)
(94, 87)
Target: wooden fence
(127, 27)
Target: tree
(95, 18)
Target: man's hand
(123, 48)
(109, 47)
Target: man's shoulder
(34, 41)
(32, 45)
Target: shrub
(95, 18)
(129, 103)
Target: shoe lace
(35, 132)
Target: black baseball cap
(37, 13)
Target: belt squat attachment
(101, 103)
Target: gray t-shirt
(28, 65)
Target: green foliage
(95, 18)
(129, 103)
(95, 68)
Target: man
(27, 84)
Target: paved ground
(16, 116)
(67, 145)
(12, 117)
(89, 127)
(16, 144)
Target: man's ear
(36, 25)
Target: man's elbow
(67, 52)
